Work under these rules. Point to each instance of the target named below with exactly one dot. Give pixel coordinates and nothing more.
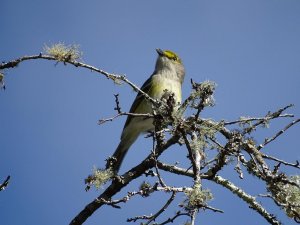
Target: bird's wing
(139, 98)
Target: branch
(246, 120)
(174, 169)
(192, 154)
(232, 146)
(268, 117)
(267, 141)
(296, 165)
(114, 77)
(145, 115)
(153, 217)
(121, 181)
(247, 198)
(171, 220)
(171, 199)
(126, 198)
(213, 209)
(230, 186)
(193, 215)
(287, 207)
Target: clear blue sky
(49, 137)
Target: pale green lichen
(198, 197)
(288, 196)
(99, 177)
(204, 91)
(64, 53)
(206, 131)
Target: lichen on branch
(64, 53)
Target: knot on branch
(235, 142)
(146, 189)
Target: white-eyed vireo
(168, 75)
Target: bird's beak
(160, 52)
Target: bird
(168, 75)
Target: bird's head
(169, 60)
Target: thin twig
(191, 156)
(246, 120)
(126, 198)
(118, 108)
(136, 218)
(146, 115)
(171, 220)
(114, 77)
(268, 117)
(161, 181)
(296, 165)
(213, 209)
(170, 200)
(267, 141)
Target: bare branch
(268, 117)
(118, 108)
(171, 220)
(161, 181)
(296, 165)
(174, 169)
(146, 115)
(196, 168)
(267, 141)
(114, 77)
(246, 120)
(213, 209)
(126, 198)
(170, 200)
(163, 208)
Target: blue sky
(49, 137)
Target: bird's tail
(119, 156)
(122, 149)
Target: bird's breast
(160, 84)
